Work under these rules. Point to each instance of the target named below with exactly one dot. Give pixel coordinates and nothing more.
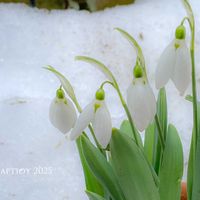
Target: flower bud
(180, 32)
(100, 94)
(138, 71)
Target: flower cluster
(173, 64)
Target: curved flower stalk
(141, 100)
(96, 113)
(175, 63)
(62, 113)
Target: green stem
(191, 22)
(106, 82)
(194, 93)
(160, 132)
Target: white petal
(151, 102)
(165, 66)
(141, 103)
(182, 69)
(62, 115)
(83, 121)
(102, 125)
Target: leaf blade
(132, 170)
(171, 170)
(101, 169)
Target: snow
(31, 39)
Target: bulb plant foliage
(117, 164)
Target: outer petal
(139, 104)
(102, 125)
(182, 69)
(84, 119)
(165, 66)
(151, 102)
(62, 115)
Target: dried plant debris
(92, 5)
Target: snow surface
(31, 39)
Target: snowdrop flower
(96, 113)
(62, 113)
(175, 63)
(141, 100)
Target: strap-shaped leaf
(171, 170)
(98, 65)
(126, 128)
(135, 45)
(149, 144)
(162, 117)
(94, 196)
(132, 169)
(162, 110)
(92, 184)
(101, 169)
(196, 173)
(64, 82)
(190, 172)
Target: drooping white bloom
(62, 114)
(96, 113)
(141, 103)
(175, 64)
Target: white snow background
(31, 39)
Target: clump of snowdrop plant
(117, 164)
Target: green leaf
(162, 117)
(162, 110)
(94, 196)
(101, 169)
(193, 174)
(190, 172)
(195, 162)
(196, 173)
(92, 184)
(132, 169)
(135, 45)
(126, 129)
(171, 170)
(64, 82)
(98, 65)
(149, 146)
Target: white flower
(62, 114)
(174, 64)
(141, 103)
(96, 113)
